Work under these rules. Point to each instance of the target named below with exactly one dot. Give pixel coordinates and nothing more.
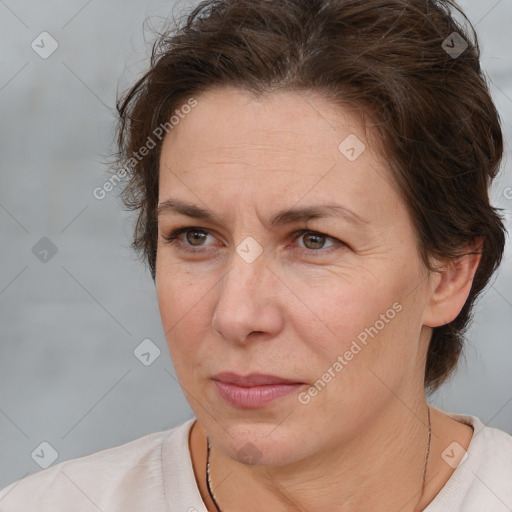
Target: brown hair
(389, 58)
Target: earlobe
(451, 288)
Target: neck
(381, 467)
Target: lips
(253, 379)
(254, 390)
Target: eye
(192, 235)
(314, 242)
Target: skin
(360, 443)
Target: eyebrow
(286, 216)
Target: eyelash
(171, 239)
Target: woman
(312, 184)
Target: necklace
(208, 483)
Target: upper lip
(253, 379)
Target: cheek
(183, 311)
(353, 327)
(337, 310)
(180, 291)
(355, 314)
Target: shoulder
(496, 461)
(103, 480)
(483, 478)
(493, 448)
(491, 483)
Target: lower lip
(256, 396)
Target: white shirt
(154, 474)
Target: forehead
(233, 123)
(285, 145)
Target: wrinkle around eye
(173, 239)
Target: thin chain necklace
(208, 482)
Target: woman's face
(336, 303)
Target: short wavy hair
(397, 61)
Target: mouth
(254, 390)
(253, 379)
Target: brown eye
(194, 239)
(195, 236)
(313, 240)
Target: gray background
(68, 375)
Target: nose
(248, 302)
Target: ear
(450, 288)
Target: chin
(258, 442)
